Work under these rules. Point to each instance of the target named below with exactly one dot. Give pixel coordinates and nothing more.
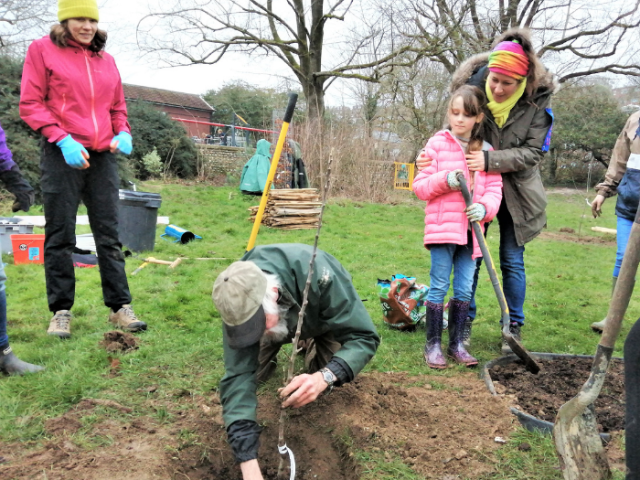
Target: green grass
(568, 288)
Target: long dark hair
(474, 102)
(60, 34)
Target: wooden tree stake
(294, 351)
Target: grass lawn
(568, 288)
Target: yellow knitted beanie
(77, 9)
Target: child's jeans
(444, 258)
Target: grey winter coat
(519, 146)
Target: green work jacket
(333, 306)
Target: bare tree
(21, 21)
(577, 38)
(417, 101)
(302, 34)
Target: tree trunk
(315, 100)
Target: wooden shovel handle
(477, 230)
(624, 287)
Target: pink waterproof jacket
(445, 220)
(75, 91)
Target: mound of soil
(441, 430)
(117, 341)
(557, 382)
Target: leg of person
(61, 186)
(466, 335)
(320, 351)
(632, 390)
(441, 263)
(514, 281)
(9, 363)
(623, 231)
(463, 271)
(101, 198)
(267, 360)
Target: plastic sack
(403, 301)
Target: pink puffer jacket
(445, 220)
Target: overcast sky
(120, 18)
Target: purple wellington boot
(432, 350)
(457, 317)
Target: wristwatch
(328, 377)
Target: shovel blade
(522, 353)
(579, 446)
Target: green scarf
(501, 111)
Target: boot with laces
(60, 325)
(514, 329)
(466, 332)
(125, 319)
(12, 365)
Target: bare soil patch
(543, 394)
(446, 429)
(573, 238)
(442, 428)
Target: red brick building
(175, 104)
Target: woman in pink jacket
(447, 234)
(72, 94)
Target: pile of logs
(290, 209)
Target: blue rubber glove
(122, 143)
(476, 212)
(74, 153)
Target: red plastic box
(27, 248)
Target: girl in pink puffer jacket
(447, 233)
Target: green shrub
(152, 129)
(152, 163)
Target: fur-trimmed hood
(547, 81)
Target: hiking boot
(599, 326)
(458, 316)
(466, 332)
(126, 319)
(514, 329)
(12, 365)
(60, 324)
(433, 350)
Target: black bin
(137, 218)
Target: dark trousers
(514, 280)
(632, 394)
(319, 351)
(63, 188)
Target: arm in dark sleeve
(529, 153)
(6, 158)
(239, 383)
(341, 370)
(12, 178)
(244, 438)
